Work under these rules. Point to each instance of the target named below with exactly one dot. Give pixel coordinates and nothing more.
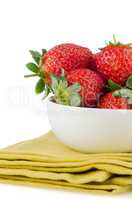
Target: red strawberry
(91, 85)
(67, 56)
(115, 62)
(110, 101)
(61, 57)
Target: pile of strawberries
(77, 77)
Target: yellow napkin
(46, 162)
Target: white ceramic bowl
(92, 130)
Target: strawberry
(119, 97)
(115, 61)
(67, 56)
(61, 57)
(91, 85)
(110, 101)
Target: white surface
(30, 24)
(92, 130)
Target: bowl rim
(75, 108)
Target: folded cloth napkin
(46, 162)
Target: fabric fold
(46, 162)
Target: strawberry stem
(114, 39)
(30, 75)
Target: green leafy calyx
(125, 93)
(129, 82)
(115, 42)
(112, 86)
(36, 69)
(40, 86)
(120, 91)
(64, 94)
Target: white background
(30, 24)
